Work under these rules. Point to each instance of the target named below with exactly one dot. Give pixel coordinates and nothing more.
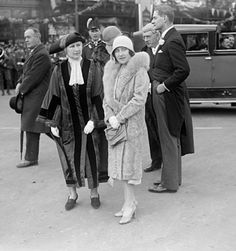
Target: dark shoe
(95, 202)
(160, 189)
(27, 163)
(71, 203)
(156, 183)
(150, 169)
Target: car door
(200, 60)
(224, 64)
(200, 70)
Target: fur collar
(138, 61)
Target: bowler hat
(65, 41)
(16, 103)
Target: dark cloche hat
(65, 41)
(92, 24)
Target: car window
(226, 41)
(196, 41)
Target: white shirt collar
(154, 49)
(164, 32)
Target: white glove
(114, 122)
(55, 131)
(89, 127)
(17, 88)
(161, 88)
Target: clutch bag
(116, 136)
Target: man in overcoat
(151, 38)
(170, 100)
(33, 85)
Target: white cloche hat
(122, 41)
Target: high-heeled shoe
(128, 215)
(120, 213)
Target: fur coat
(125, 93)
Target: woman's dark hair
(131, 53)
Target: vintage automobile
(212, 59)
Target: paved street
(199, 217)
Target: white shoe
(128, 215)
(120, 213)
(134, 182)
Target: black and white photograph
(117, 125)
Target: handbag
(116, 136)
(16, 103)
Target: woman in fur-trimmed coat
(126, 84)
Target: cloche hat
(122, 41)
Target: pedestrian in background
(94, 39)
(108, 35)
(170, 100)
(33, 85)
(151, 38)
(73, 109)
(6, 66)
(125, 91)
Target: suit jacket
(34, 84)
(171, 67)
(152, 57)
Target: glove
(161, 88)
(17, 88)
(89, 127)
(55, 131)
(114, 122)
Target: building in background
(16, 15)
(57, 17)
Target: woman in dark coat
(73, 109)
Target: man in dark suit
(151, 38)
(33, 85)
(170, 100)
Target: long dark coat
(81, 155)
(34, 84)
(171, 67)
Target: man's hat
(110, 33)
(16, 103)
(92, 24)
(65, 41)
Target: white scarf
(76, 76)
